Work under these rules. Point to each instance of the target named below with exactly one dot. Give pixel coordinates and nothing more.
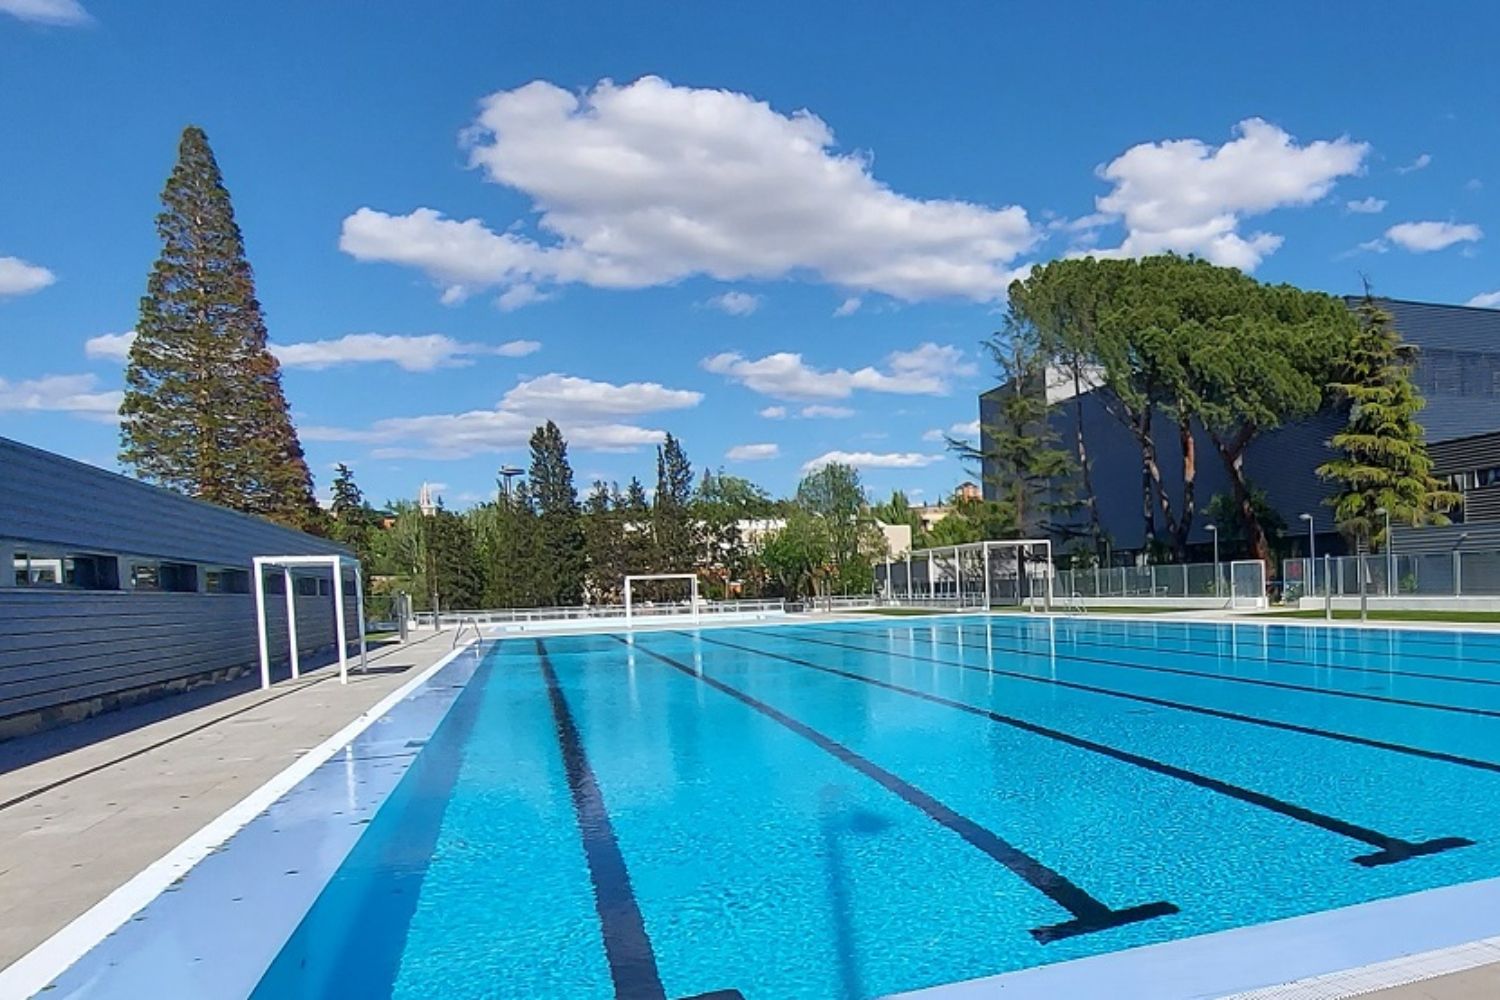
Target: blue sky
(779, 231)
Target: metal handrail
(471, 621)
(1076, 605)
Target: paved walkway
(86, 807)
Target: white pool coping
(39, 967)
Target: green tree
(604, 541)
(560, 570)
(721, 505)
(506, 536)
(671, 514)
(836, 497)
(797, 554)
(1383, 461)
(203, 411)
(638, 545)
(1018, 451)
(453, 573)
(898, 511)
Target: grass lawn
(1397, 616)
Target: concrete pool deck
(86, 808)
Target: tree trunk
(1142, 428)
(1233, 455)
(1096, 530)
(1189, 488)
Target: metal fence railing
(1179, 580)
(1440, 574)
(503, 616)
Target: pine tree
(203, 411)
(671, 514)
(637, 544)
(560, 530)
(453, 570)
(603, 533)
(352, 522)
(1384, 461)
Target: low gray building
(113, 591)
(1458, 372)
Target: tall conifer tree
(204, 412)
(564, 560)
(671, 514)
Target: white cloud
(849, 306)
(1366, 206)
(60, 12)
(773, 412)
(735, 303)
(969, 429)
(17, 277)
(1424, 237)
(583, 408)
(1187, 196)
(1420, 163)
(820, 411)
(1473, 184)
(648, 183)
(926, 370)
(513, 298)
(413, 353)
(77, 394)
(752, 452)
(873, 460)
(1486, 300)
(109, 346)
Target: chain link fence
(1440, 574)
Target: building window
(227, 581)
(79, 571)
(308, 586)
(169, 577)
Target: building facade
(1457, 371)
(114, 591)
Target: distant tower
(426, 502)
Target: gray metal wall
(67, 653)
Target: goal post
(634, 578)
(1247, 583)
(1010, 571)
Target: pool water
(857, 809)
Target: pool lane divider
(627, 947)
(1389, 850)
(1441, 756)
(1437, 706)
(1088, 914)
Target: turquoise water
(849, 810)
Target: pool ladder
(1075, 604)
(470, 622)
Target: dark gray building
(1458, 371)
(113, 591)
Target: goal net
(1247, 583)
(974, 575)
(653, 594)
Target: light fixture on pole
(1390, 553)
(1213, 529)
(1312, 555)
(507, 473)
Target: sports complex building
(1458, 372)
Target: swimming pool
(855, 809)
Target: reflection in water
(840, 822)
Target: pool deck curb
(35, 970)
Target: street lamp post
(1390, 553)
(1312, 555)
(1213, 529)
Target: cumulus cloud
(1486, 300)
(17, 277)
(413, 353)
(752, 452)
(648, 183)
(588, 412)
(872, 460)
(65, 13)
(1366, 206)
(969, 429)
(821, 411)
(929, 369)
(735, 303)
(773, 412)
(849, 306)
(1420, 163)
(1425, 237)
(1187, 196)
(76, 394)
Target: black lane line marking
(1488, 713)
(1089, 915)
(1217, 713)
(1104, 642)
(1390, 849)
(627, 947)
